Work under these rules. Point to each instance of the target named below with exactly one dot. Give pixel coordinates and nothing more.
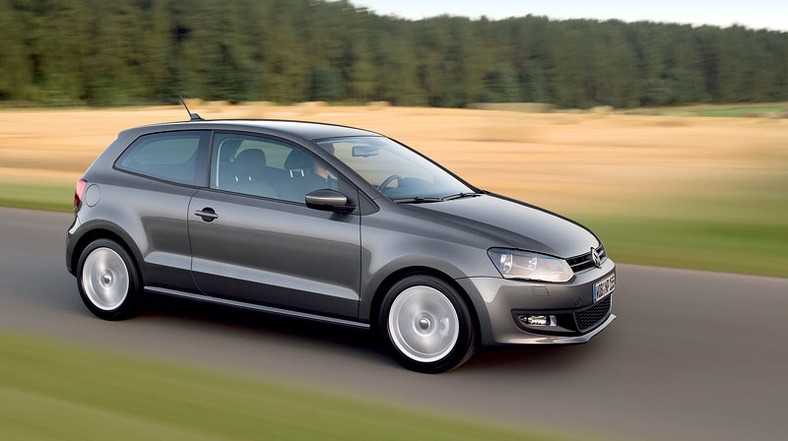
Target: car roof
(307, 130)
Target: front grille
(593, 316)
(584, 261)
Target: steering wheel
(388, 181)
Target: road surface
(693, 356)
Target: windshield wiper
(416, 200)
(459, 196)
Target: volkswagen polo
(335, 224)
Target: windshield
(398, 172)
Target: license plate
(604, 288)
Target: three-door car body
(335, 224)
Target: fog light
(535, 320)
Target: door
(253, 239)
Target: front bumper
(499, 302)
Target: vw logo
(596, 258)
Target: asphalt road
(693, 355)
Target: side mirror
(328, 200)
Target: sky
(756, 14)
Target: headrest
(297, 159)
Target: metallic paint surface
(515, 224)
(276, 253)
(495, 298)
(285, 255)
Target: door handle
(207, 214)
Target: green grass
(55, 391)
(703, 244)
(719, 110)
(736, 112)
(739, 226)
(37, 196)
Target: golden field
(616, 172)
(557, 160)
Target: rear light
(80, 190)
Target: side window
(178, 157)
(264, 167)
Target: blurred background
(668, 139)
(664, 129)
(76, 52)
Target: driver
(321, 177)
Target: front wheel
(109, 283)
(427, 324)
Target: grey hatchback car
(335, 224)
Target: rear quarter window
(179, 157)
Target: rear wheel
(109, 283)
(427, 324)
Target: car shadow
(526, 358)
(356, 343)
(247, 322)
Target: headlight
(516, 264)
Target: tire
(427, 325)
(108, 280)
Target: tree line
(131, 51)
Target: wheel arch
(104, 231)
(391, 279)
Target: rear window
(179, 157)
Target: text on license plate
(604, 288)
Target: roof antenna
(192, 116)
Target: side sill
(255, 307)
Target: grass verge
(740, 226)
(695, 244)
(56, 391)
(738, 112)
(719, 110)
(21, 192)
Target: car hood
(514, 224)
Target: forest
(100, 53)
